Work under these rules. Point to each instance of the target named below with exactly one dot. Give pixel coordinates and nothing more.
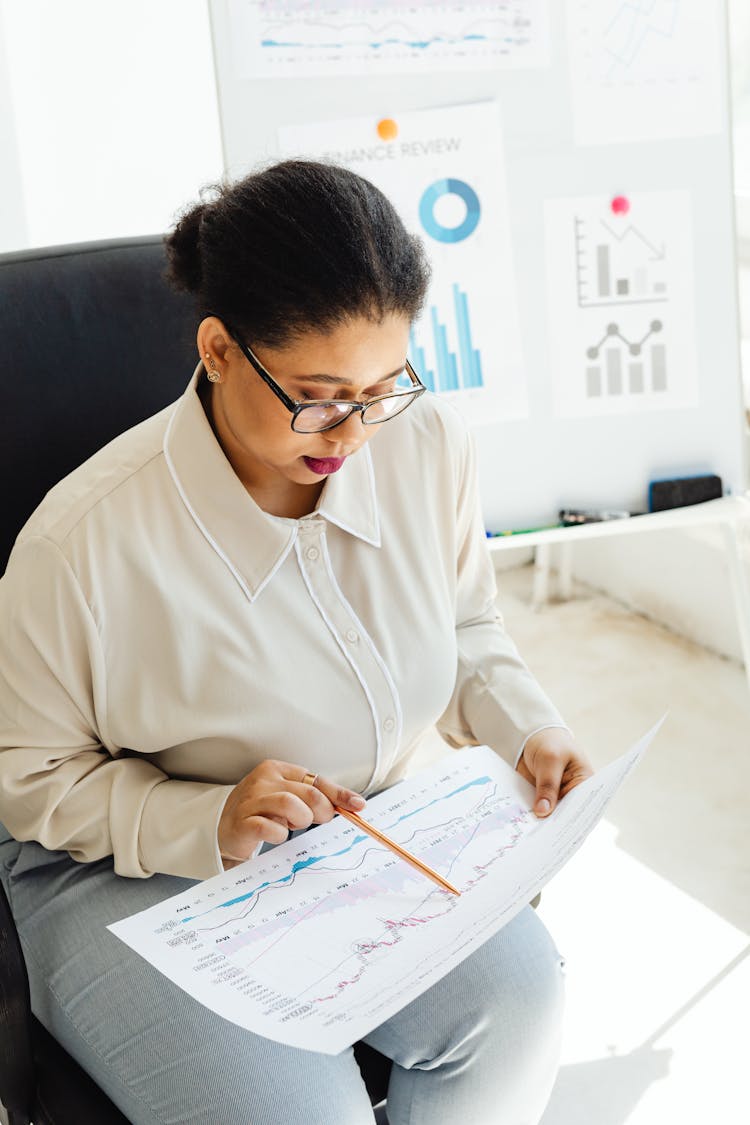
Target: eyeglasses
(323, 414)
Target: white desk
(732, 513)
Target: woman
(282, 574)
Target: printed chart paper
(620, 296)
(297, 39)
(444, 171)
(641, 70)
(321, 939)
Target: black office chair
(93, 341)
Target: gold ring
(309, 779)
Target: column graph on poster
(297, 39)
(644, 69)
(443, 169)
(319, 940)
(620, 287)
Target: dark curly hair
(298, 246)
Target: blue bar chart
(445, 335)
(445, 173)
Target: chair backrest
(93, 342)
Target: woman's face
(355, 360)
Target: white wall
(113, 106)
(13, 229)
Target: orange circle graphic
(387, 129)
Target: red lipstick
(324, 466)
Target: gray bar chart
(620, 367)
(616, 267)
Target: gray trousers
(480, 1046)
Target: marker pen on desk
(571, 517)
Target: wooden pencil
(402, 852)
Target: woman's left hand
(554, 765)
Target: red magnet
(620, 205)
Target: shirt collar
(252, 544)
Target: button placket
(356, 646)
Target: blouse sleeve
(62, 782)
(496, 700)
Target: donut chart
(435, 192)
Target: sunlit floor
(653, 914)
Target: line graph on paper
(636, 41)
(331, 926)
(644, 69)
(321, 939)
(292, 38)
(316, 928)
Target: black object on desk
(573, 517)
(683, 491)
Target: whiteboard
(672, 141)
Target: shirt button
(312, 553)
(389, 724)
(351, 636)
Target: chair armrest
(16, 1059)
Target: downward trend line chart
(319, 940)
(616, 267)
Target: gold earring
(213, 375)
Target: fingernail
(543, 807)
(357, 802)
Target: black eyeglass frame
(296, 408)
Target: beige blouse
(161, 636)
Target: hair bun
(185, 269)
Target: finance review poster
(444, 171)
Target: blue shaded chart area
(448, 854)
(332, 916)
(412, 44)
(321, 939)
(385, 35)
(352, 846)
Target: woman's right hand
(271, 800)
